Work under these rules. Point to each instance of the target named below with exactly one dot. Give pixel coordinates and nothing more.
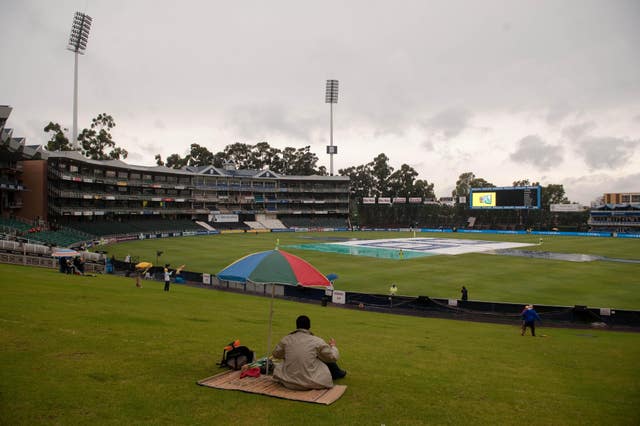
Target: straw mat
(265, 385)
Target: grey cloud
(134, 156)
(606, 152)
(450, 122)
(590, 187)
(150, 147)
(266, 121)
(533, 150)
(637, 118)
(159, 124)
(428, 145)
(557, 113)
(578, 131)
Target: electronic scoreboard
(506, 197)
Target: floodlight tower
(78, 44)
(331, 98)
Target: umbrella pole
(273, 292)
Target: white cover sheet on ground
(435, 245)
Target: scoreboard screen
(506, 197)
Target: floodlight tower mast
(78, 44)
(331, 98)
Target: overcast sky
(543, 90)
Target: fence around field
(470, 310)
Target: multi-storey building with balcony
(12, 152)
(82, 191)
(620, 213)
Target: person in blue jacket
(529, 318)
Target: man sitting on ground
(309, 362)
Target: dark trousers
(531, 324)
(336, 372)
(166, 285)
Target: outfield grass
(488, 277)
(97, 350)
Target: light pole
(331, 98)
(78, 44)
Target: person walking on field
(465, 293)
(529, 318)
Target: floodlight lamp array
(332, 92)
(79, 33)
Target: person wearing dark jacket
(465, 293)
(529, 318)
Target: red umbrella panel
(274, 267)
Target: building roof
(604, 207)
(118, 164)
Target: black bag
(236, 357)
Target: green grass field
(97, 350)
(488, 277)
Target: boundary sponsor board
(339, 297)
(226, 218)
(566, 208)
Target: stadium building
(104, 197)
(621, 213)
(83, 193)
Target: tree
(159, 161)
(199, 156)
(423, 189)
(265, 156)
(58, 141)
(96, 140)
(463, 185)
(175, 161)
(468, 180)
(401, 182)
(522, 182)
(381, 171)
(480, 183)
(304, 162)
(362, 180)
(239, 153)
(553, 194)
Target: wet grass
(488, 277)
(97, 350)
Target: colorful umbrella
(274, 267)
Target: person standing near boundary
(465, 293)
(392, 292)
(167, 277)
(529, 318)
